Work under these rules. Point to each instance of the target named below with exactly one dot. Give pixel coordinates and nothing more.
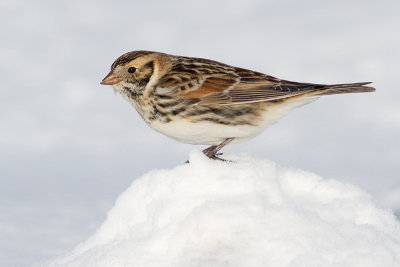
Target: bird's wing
(245, 86)
(239, 86)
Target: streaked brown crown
(128, 57)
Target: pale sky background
(69, 146)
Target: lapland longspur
(201, 101)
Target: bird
(205, 102)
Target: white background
(69, 147)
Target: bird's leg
(211, 151)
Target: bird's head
(132, 70)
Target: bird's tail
(345, 88)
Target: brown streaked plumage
(201, 101)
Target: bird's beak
(110, 79)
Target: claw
(212, 151)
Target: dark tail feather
(345, 89)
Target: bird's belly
(204, 132)
(208, 132)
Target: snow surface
(248, 212)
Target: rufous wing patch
(212, 85)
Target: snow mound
(248, 212)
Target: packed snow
(247, 212)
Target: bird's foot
(212, 151)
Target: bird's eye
(131, 69)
